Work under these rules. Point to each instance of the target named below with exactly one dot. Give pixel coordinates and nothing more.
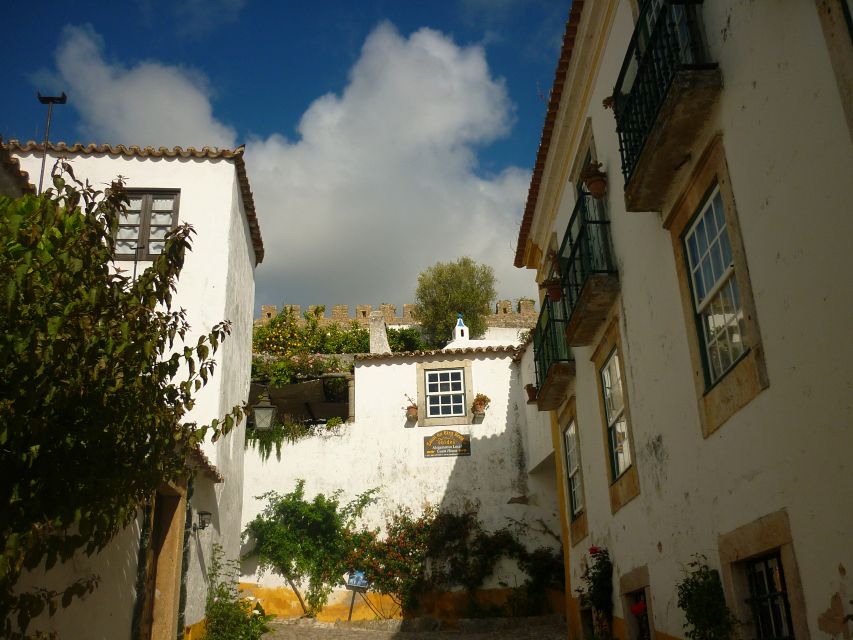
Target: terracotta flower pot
(595, 180)
(554, 288)
(532, 391)
(479, 407)
(411, 412)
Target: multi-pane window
(142, 230)
(716, 298)
(445, 393)
(573, 469)
(768, 598)
(614, 410)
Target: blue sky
(419, 120)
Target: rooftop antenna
(49, 101)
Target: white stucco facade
(216, 284)
(383, 450)
(784, 455)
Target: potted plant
(554, 288)
(595, 180)
(411, 409)
(480, 404)
(532, 391)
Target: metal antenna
(49, 101)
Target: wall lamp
(264, 412)
(204, 518)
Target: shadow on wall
(493, 484)
(106, 613)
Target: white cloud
(149, 103)
(381, 181)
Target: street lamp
(264, 413)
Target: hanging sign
(447, 443)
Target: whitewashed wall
(217, 283)
(381, 450)
(791, 166)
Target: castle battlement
(521, 316)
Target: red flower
(593, 550)
(638, 608)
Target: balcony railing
(588, 271)
(667, 47)
(554, 361)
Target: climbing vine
(288, 430)
(441, 550)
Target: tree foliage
(449, 288)
(95, 382)
(307, 540)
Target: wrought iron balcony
(555, 365)
(665, 91)
(588, 271)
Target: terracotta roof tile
(199, 461)
(548, 127)
(435, 352)
(163, 152)
(12, 167)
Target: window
(445, 393)
(573, 470)
(768, 598)
(614, 410)
(716, 297)
(142, 231)
(761, 578)
(723, 335)
(638, 623)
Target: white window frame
(573, 469)
(438, 365)
(619, 452)
(434, 388)
(718, 305)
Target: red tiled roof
(19, 177)
(162, 152)
(436, 352)
(198, 460)
(548, 128)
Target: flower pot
(479, 408)
(411, 413)
(554, 289)
(532, 391)
(595, 180)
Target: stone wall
(522, 315)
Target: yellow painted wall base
(194, 631)
(282, 602)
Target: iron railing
(549, 339)
(585, 250)
(667, 38)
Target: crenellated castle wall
(520, 316)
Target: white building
(208, 189)
(704, 406)
(505, 468)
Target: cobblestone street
(551, 628)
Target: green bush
(700, 596)
(228, 616)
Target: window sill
(578, 528)
(624, 489)
(743, 382)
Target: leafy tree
(449, 288)
(407, 339)
(307, 540)
(95, 384)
